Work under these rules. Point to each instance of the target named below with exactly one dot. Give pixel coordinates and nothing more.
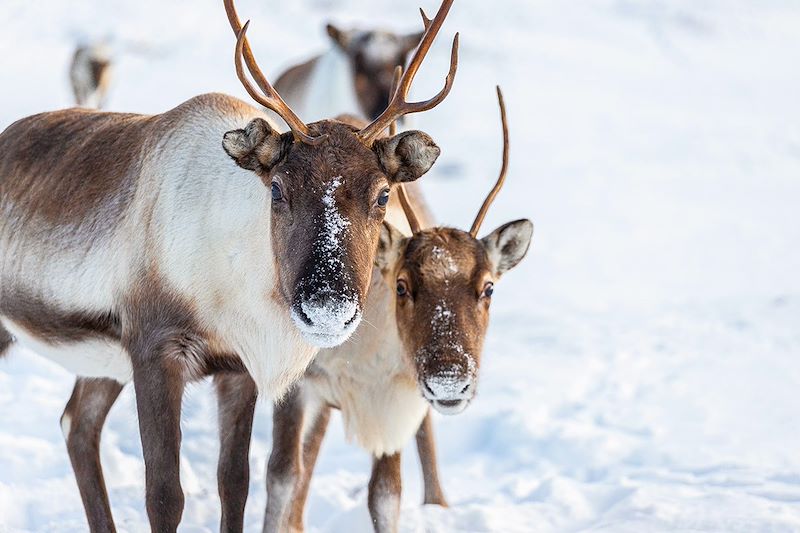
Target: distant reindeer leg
(285, 461)
(82, 423)
(312, 441)
(426, 447)
(236, 398)
(385, 487)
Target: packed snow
(642, 370)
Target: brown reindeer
(90, 74)
(353, 77)
(132, 248)
(424, 323)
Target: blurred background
(642, 371)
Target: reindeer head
(330, 183)
(373, 56)
(444, 280)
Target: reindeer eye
(383, 199)
(277, 194)
(402, 288)
(488, 290)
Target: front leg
(285, 461)
(236, 398)
(385, 487)
(426, 447)
(159, 381)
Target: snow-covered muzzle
(327, 307)
(447, 372)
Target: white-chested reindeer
(133, 249)
(420, 343)
(90, 74)
(353, 77)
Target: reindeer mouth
(449, 407)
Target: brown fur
(426, 448)
(75, 168)
(85, 415)
(459, 277)
(236, 400)
(385, 486)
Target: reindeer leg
(158, 377)
(82, 423)
(385, 487)
(426, 447)
(236, 398)
(312, 440)
(285, 461)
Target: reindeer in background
(90, 74)
(353, 77)
(420, 345)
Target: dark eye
(488, 290)
(277, 193)
(402, 288)
(383, 199)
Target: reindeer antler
(408, 209)
(268, 97)
(399, 106)
(504, 169)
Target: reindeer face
(374, 56)
(444, 280)
(328, 202)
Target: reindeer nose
(449, 393)
(329, 314)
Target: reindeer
(136, 248)
(90, 74)
(420, 344)
(354, 76)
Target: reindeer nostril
(466, 388)
(428, 388)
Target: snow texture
(642, 369)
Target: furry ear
(257, 147)
(407, 155)
(342, 38)
(390, 245)
(507, 245)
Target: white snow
(641, 372)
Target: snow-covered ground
(642, 371)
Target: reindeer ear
(407, 155)
(390, 245)
(257, 147)
(507, 245)
(341, 38)
(410, 41)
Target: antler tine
(398, 72)
(270, 97)
(398, 105)
(408, 209)
(425, 20)
(502, 178)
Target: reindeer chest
(376, 393)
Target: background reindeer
(353, 77)
(425, 320)
(133, 248)
(90, 74)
